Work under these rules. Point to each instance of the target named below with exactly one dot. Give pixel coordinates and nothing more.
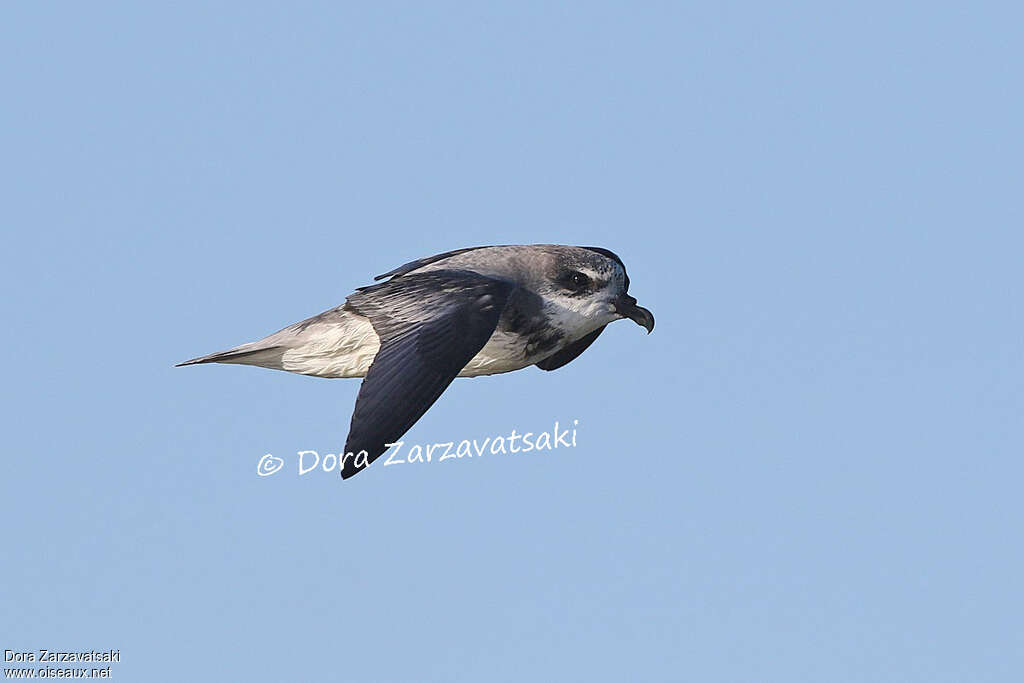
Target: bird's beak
(626, 306)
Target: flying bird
(464, 313)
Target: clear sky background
(811, 471)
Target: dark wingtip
(349, 469)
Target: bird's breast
(503, 352)
(507, 351)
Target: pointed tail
(265, 356)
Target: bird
(464, 313)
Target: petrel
(463, 313)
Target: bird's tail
(247, 354)
(322, 342)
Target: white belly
(501, 353)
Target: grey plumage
(469, 312)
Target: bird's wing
(570, 352)
(419, 263)
(430, 326)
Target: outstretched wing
(569, 353)
(430, 325)
(419, 263)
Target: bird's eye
(579, 280)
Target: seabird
(463, 313)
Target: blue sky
(810, 471)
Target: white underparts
(345, 348)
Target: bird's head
(586, 288)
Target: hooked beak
(626, 306)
